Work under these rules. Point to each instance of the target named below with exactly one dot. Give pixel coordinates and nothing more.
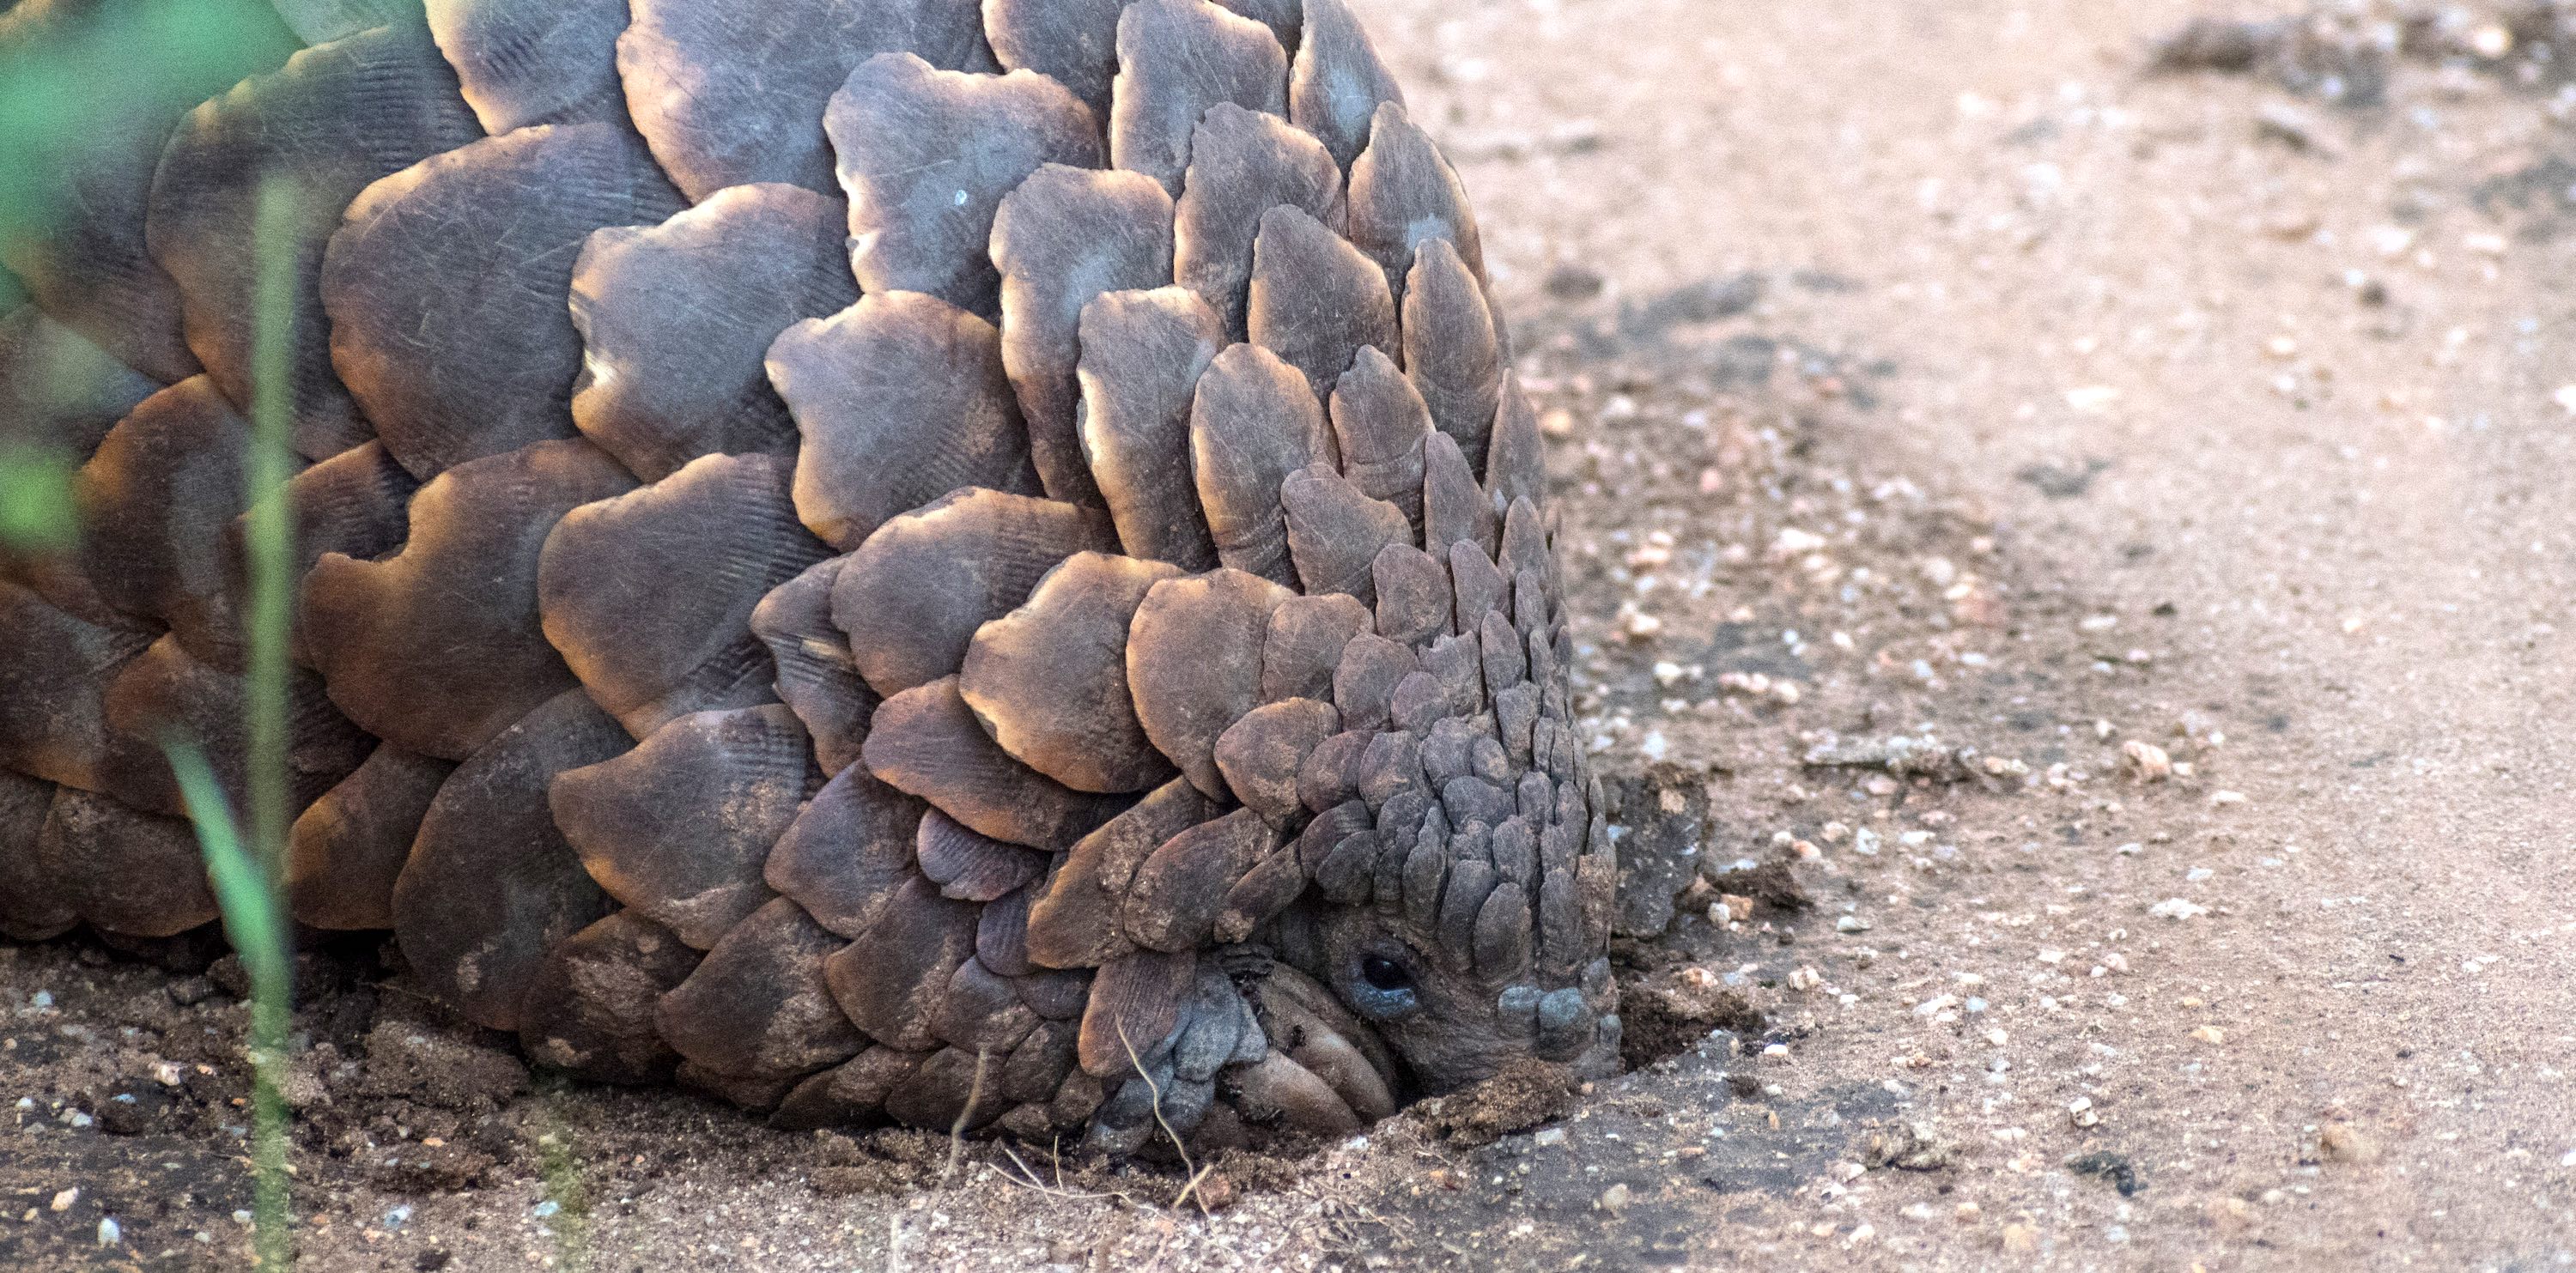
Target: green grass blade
(270, 539)
(253, 919)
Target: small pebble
(2341, 1142)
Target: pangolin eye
(1385, 974)
(1383, 988)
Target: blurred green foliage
(91, 85)
(36, 513)
(88, 91)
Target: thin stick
(1028, 1179)
(1156, 1091)
(957, 1130)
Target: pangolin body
(890, 559)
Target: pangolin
(888, 560)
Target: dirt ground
(2070, 569)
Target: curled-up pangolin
(874, 556)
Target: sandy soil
(2167, 461)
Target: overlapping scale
(1315, 300)
(901, 399)
(1253, 422)
(926, 156)
(526, 62)
(1194, 663)
(1062, 238)
(455, 364)
(679, 829)
(912, 597)
(848, 850)
(649, 596)
(676, 321)
(733, 93)
(1243, 164)
(758, 1006)
(591, 1008)
(1450, 348)
(32, 909)
(492, 885)
(1176, 60)
(53, 688)
(1338, 83)
(349, 846)
(1133, 537)
(159, 494)
(438, 647)
(1142, 356)
(818, 678)
(128, 872)
(333, 120)
(166, 691)
(927, 741)
(1049, 679)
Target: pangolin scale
(885, 559)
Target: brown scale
(524, 62)
(340, 117)
(1245, 164)
(909, 135)
(901, 399)
(818, 678)
(926, 655)
(160, 491)
(348, 847)
(1315, 300)
(1176, 60)
(676, 321)
(1049, 679)
(1142, 356)
(678, 829)
(32, 908)
(453, 365)
(1064, 237)
(437, 646)
(649, 596)
(1253, 423)
(728, 95)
